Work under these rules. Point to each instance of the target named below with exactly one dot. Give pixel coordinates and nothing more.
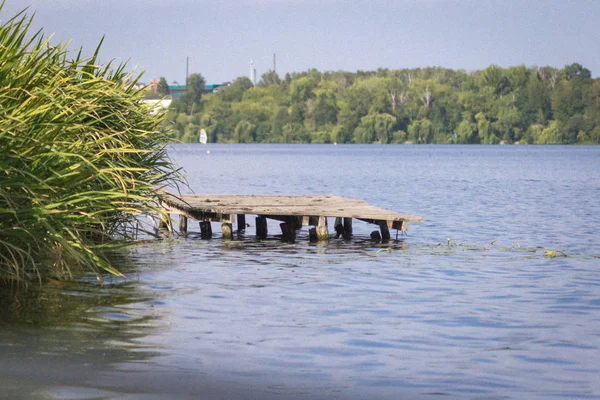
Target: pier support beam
(205, 230)
(322, 231)
(385, 231)
(227, 230)
(183, 222)
(261, 227)
(241, 222)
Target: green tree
(428, 105)
(484, 130)
(298, 112)
(375, 128)
(518, 77)
(190, 134)
(163, 87)
(534, 133)
(269, 78)
(466, 132)
(244, 132)
(191, 99)
(235, 91)
(576, 71)
(325, 109)
(420, 131)
(495, 78)
(507, 124)
(550, 134)
(536, 104)
(293, 133)
(280, 120)
(301, 89)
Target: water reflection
(267, 319)
(55, 340)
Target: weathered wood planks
(293, 211)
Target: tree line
(533, 105)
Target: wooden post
(348, 226)
(241, 222)
(261, 227)
(183, 221)
(312, 235)
(205, 230)
(297, 223)
(385, 231)
(338, 226)
(376, 236)
(226, 229)
(322, 232)
(288, 231)
(400, 225)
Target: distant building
(215, 87)
(176, 90)
(153, 86)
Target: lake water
(486, 316)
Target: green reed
(80, 157)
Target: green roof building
(176, 90)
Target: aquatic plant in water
(80, 156)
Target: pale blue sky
(220, 37)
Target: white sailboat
(203, 137)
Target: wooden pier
(293, 212)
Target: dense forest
(537, 105)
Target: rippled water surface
(487, 315)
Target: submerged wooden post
(241, 222)
(227, 229)
(376, 236)
(288, 231)
(205, 230)
(322, 232)
(348, 226)
(385, 231)
(296, 222)
(338, 226)
(261, 227)
(183, 222)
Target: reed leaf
(81, 157)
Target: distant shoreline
(393, 144)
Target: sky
(220, 37)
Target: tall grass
(80, 156)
